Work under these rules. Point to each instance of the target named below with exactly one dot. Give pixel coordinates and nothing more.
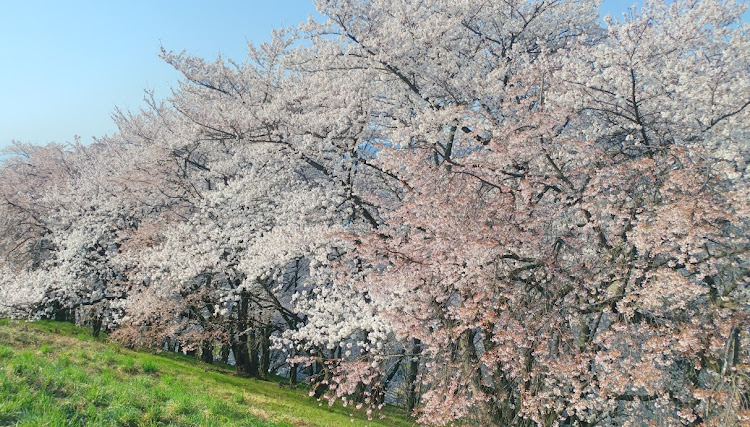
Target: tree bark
(225, 350)
(96, 326)
(293, 373)
(411, 375)
(265, 351)
(207, 351)
(254, 366)
(239, 339)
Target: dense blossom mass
(488, 212)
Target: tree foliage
(488, 212)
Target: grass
(56, 374)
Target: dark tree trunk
(225, 349)
(293, 373)
(265, 351)
(241, 358)
(207, 351)
(412, 369)
(322, 386)
(292, 370)
(96, 326)
(239, 341)
(254, 367)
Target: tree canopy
(492, 212)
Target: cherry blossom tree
(557, 250)
(489, 212)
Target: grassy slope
(55, 374)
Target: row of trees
(493, 212)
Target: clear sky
(66, 65)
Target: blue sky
(66, 65)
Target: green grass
(56, 374)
